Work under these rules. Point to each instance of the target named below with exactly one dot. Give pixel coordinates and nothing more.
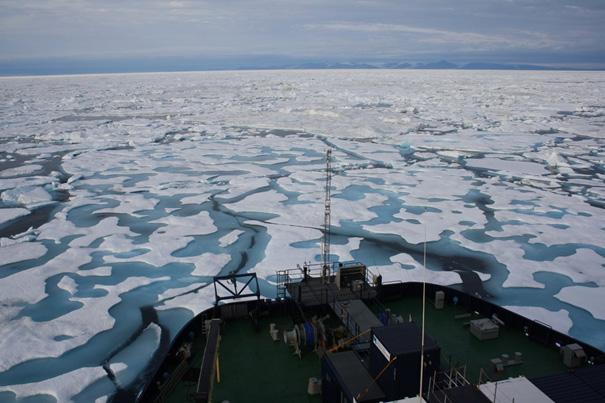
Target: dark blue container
(344, 378)
(401, 343)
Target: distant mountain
(442, 64)
(439, 65)
(327, 65)
(495, 66)
(397, 65)
(80, 66)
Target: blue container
(401, 378)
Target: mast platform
(314, 292)
(308, 288)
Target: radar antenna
(325, 247)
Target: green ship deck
(449, 327)
(254, 368)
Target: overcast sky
(505, 31)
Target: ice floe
(20, 170)
(62, 388)
(18, 252)
(130, 192)
(230, 238)
(9, 214)
(23, 338)
(413, 271)
(129, 363)
(28, 196)
(588, 298)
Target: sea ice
(508, 167)
(18, 252)
(225, 170)
(194, 301)
(280, 254)
(68, 284)
(20, 170)
(230, 238)
(22, 338)
(9, 214)
(28, 196)
(588, 298)
(129, 363)
(63, 387)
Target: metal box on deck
(573, 355)
(484, 329)
(349, 275)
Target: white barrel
(314, 386)
(291, 337)
(273, 332)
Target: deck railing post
(429, 389)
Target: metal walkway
(209, 367)
(356, 317)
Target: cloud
(526, 39)
(337, 29)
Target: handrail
(317, 267)
(542, 323)
(338, 346)
(394, 282)
(295, 275)
(482, 374)
(300, 275)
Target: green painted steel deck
(254, 368)
(459, 345)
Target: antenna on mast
(325, 246)
(423, 314)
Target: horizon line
(512, 67)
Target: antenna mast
(325, 247)
(423, 314)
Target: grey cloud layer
(321, 29)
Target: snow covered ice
(122, 195)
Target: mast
(423, 314)
(325, 247)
